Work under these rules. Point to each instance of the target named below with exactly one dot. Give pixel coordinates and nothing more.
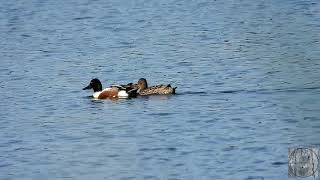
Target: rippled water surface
(248, 88)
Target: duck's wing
(120, 87)
(130, 90)
(126, 86)
(164, 85)
(157, 86)
(117, 86)
(159, 89)
(152, 90)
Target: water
(248, 88)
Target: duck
(114, 91)
(144, 90)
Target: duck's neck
(143, 86)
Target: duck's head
(142, 84)
(95, 84)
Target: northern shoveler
(115, 91)
(162, 89)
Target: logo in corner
(303, 162)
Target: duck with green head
(115, 91)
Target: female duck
(117, 91)
(144, 90)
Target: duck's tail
(174, 90)
(132, 92)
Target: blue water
(248, 88)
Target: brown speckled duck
(144, 90)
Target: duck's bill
(88, 87)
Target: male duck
(115, 91)
(144, 90)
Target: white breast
(123, 94)
(96, 94)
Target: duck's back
(158, 89)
